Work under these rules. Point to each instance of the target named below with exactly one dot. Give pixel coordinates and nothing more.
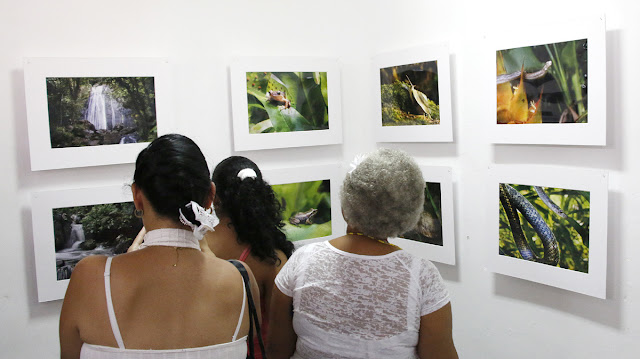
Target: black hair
(252, 207)
(172, 172)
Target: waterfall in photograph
(103, 111)
(76, 235)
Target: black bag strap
(253, 313)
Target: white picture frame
(442, 132)
(331, 172)
(42, 205)
(36, 72)
(445, 253)
(568, 180)
(244, 140)
(591, 133)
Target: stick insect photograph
(413, 95)
(545, 225)
(409, 94)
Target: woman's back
(352, 305)
(159, 306)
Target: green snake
(512, 202)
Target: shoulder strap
(253, 313)
(244, 303)
(245, 254)
(112, 314)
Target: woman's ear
(137, 197)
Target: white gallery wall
(495, 316)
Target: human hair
(384, 195)
(252, 207)
(172, 172)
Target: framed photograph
(549, 225)
(433, 237)
(91, 112)
(285, 102)
(69, 225)
(551, 85)
(310, 200)
(413, 88)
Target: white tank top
(235, 349)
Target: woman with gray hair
(359, 296)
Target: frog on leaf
(303, 217)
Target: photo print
(548, 224)
(281, 102)
(84, 112)
(429, 227)
(543, 84)
(93, 111)
(306, 209)
(101, 229)
(287, 101)
(409, 94)
(433, 237)
(545, 225)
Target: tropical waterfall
(103, 111)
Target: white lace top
(356, 306)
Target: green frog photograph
(287, 101)
(545, 225)
(93, 111)
(306, 209)
(409, 94)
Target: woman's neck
(223, 242)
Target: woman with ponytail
(250, 225)
(168, 299)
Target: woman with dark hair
(359, 296)
(159, 298)
(250, 223)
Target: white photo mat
(332, 172)
(442, 132)
(591, 133)
(593, 283)
(42, 205)
(245, 141)
(37, 70)
(447, 252)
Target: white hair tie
(207, 218)
(247, 172)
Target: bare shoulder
(88, 269)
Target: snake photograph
(545, 225)
(545, 83)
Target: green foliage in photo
(67, 100)
(306, 209)
(306, 107)
(572, 233)
(409, 94)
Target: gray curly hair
(384, 195)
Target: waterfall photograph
(93, 111)
(102, 229)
